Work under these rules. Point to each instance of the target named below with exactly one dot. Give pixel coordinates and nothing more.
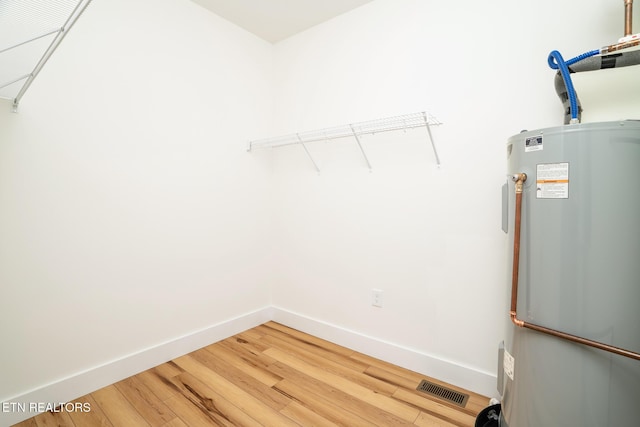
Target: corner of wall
(85, 382)
(444, 370)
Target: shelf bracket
(433, 145)
(308, 154)
(32, 39)
(355, 135)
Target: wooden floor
(270, 375)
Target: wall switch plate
(376, 297)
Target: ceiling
(275, 20)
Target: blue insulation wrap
(557, 62)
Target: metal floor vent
(444, 393)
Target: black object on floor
(489, 416)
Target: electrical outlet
(376, 297)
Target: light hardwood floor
(270, 375)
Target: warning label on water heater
(552, 181)
(533, 143)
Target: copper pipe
(520, 179)
(624, 42)
(628, 16)
(619, 46)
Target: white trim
(444, 370)
(81, 383)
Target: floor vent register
(443, 393)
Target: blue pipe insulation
(556, 61)
(573, 60)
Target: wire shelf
(30, 31)
(353, 130)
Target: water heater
(570, 357)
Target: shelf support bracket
(355, 135)
(433, 145)
(57, 30)
(308, 154)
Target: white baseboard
(77, 385)
(461, 376)
(18, 408)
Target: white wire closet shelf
(353, 130)
(30, 32)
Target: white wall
(429, 238)
(130, 213)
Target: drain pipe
(520, 179)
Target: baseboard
(444, 370)
(21, 407)
(77, 385)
